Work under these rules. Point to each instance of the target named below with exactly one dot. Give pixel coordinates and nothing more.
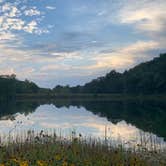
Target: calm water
(125, 122)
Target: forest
(10, 86)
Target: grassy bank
(44, 150)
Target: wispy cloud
(124, 57)
(50, 7)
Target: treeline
(146, 78)
(10, 86)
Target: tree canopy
(10, 86)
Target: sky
(71, 42)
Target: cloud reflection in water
(79, 119)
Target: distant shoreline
(89, 96)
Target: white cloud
(32, 12)
(49, 67)
(140, 47)
(28, 71)
(25, 59)
(11, 20)
(54, 67)
(12, 24)
(145, 15)
(124, 57)
(9, 10)
(7, 36)
(6, 7)
(31, 27)
(50, 7)
(7, 71)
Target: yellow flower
(57, 157)
(23, 163)
(41, 163)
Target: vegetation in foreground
(44, 150)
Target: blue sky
(72, 41)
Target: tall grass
(43, 149)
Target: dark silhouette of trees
(10, 86)
(26, 87)
(62, 89)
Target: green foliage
(26, 87)
(10, 86)
(7, 87)
(62, 89)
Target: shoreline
(89, 97)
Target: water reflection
(120, 122)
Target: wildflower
(24, 163)
(57, 157)
(41, 163)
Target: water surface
(128, 123)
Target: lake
(129, 123)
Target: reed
(47, 149)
